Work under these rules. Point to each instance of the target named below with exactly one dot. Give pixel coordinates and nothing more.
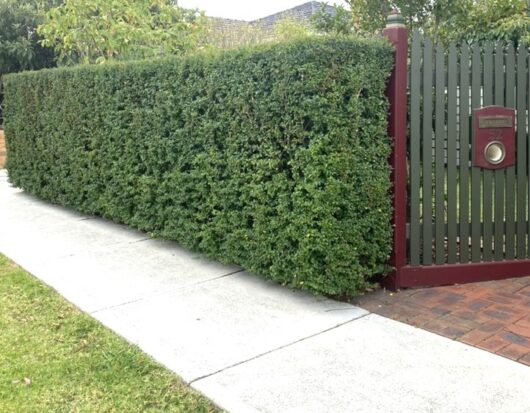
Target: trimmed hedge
(274, 158)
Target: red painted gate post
(396, 32)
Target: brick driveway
(493, 315)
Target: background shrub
(274, 158)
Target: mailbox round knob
(494, 152)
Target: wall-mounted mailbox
(494, 137)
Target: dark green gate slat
(487, 197)
(415, 145)
(464, 153)
(439, 154)
(509, 243)
(476, 75)
(452, 71)
(527, 178)
(427, 151)
(521, 152)
(499, 174)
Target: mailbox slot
(494, 137)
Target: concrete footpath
(249, 345)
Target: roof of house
(220, 23)
(300, 13)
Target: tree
(443, 20)
(289, 29)
(369, 16)
(339, 22)
(19, 42)
(488, 20)
(93, 31)
(20, 47)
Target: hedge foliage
(273, 158)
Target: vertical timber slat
(487, 189)
(499, 174)
(415, 144)
(475, 172)
(464, 153)
(509, 243)
(521, 152)
(452, 71)
(439, 157)
(527, 179)
(427, 152)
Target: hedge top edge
(353, 39)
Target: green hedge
(274, 158)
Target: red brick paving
(493, 315)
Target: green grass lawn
(54, 358)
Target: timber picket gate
(456, 222)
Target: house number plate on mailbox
(493, 137)
(489, 122)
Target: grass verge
(54, 358)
